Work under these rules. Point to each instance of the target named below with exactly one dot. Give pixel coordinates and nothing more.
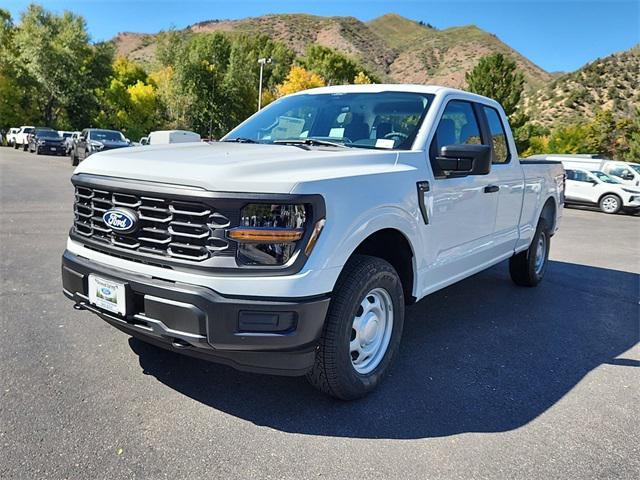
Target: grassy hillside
(606, 83)
(396, 49)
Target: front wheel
(527, 268)
(610, 204)
(362, 330)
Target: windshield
(636, 168)
(45, 133)
(28, 130)
(66, 135)
(109, 135)
(364, 120)
(603, 177)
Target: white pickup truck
(21, 138)
(293, 245)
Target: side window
(458, 125)
(581, 176)
(571, 174)
(621, 172)
(498, 136)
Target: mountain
(606, 83)
(397, 49)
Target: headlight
(41, 142)
(96, 145)
(270, 234)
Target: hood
(237, 167)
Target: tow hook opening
(179, 343)
(79, 306)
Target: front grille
(166, 227)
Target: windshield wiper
(240, 140)
(310, 141)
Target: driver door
(460, 233)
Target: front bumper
(277, 336)
(53, 149)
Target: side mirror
(464, 159)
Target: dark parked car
(94, 140)
(46, 140)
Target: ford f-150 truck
(293, 245)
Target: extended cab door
(463, 213)
(509, 181)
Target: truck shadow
(480, 356)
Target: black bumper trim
(200, 322)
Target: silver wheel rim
(371, 331)
(541, 253)
(610, 204)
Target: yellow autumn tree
(362, 79)
(299, 79)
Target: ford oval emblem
(106, 291)
(120, 219)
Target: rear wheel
(610, 204)
(362, 330)
(527, 268)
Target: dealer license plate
(107, 294)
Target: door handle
(491, 188)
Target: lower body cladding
(268, 336)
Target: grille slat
(167, 228)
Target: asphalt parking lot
(493, 381)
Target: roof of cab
(395, 87)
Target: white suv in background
(597, 188)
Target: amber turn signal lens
(314, 236)
(265, 235)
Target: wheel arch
(549, 213)
(401, 256)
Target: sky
(556, 35)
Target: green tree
(55, 56)
(497, 77)
(569, 139)
(16, 101)
(331, 65)
(633, 138)
(130, 102)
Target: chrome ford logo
(120, 220)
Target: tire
(527, 268)
(15, 145)
(610, 204)
(338, 370)
(25, 146)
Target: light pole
(262, 62)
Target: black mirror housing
(464, 159)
